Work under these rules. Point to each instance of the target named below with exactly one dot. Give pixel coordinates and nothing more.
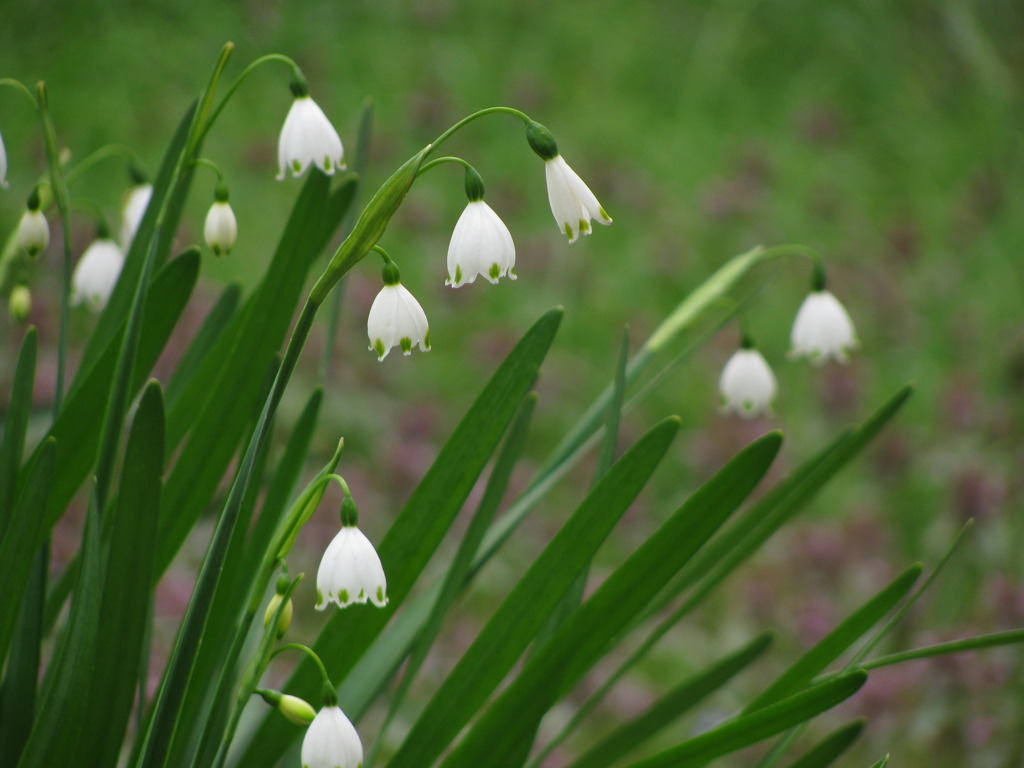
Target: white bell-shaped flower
(747, 384)
(331, 741)
(33, 232)
(822, 329)
(396, 319)
(481, 245)
(350, 572)
(308, 138)
(96, 273)
(221, 227)
(133, 210)
(3, 163)
(572, 203)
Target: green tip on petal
(327, 165)
(458, 274)
(296, 166)
(604, 214)
(584, 226)
(380, 595)
(378, 347)
(406, 345)
(426, 340)
(568, 230)
(319, 598)
(343, 596)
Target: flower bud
(286, 614)
(20, 303)
(298, 711)
(221, 227)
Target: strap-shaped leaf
(21, 542)
(829, 648)
(128, 584)
(521, 615)
(670, 706)
(589, 632)
(828, 750)
(78, 426)
(750, 729)
(414, 536)
(19, 408)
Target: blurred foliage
(885, 134)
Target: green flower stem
(59, 187)
(110, 150)
(441, 160)
(249, 683)
(205, 163)
(476, 115)
(241, 78)
(309, 652)
(18, 86)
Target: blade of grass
(829, 749)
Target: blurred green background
(887, 135)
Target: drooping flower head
(573, 205)
(97, 271)
(134, 208)
(33, 231)
(307, 137)
(481, 243)
(221, 227)
(396, 318)
(822, 329)
(331, 741)
(350, 571)
(747, 384)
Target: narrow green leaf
(19, 408)
(127, 592)
(78, 426)
(881, 763)
(455, 578)
(593, 629)
(212, 329)
(505, 636)
(752, 728)
(21, 541)
(18, 695)
(829, 648)
(66, 696)
(737, 543)
(671, 705)
(828, 750)
(414, 536)
(994, 640)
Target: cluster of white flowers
(822, 331)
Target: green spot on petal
(327, 165)
(380, 595)
(604, 215)
(296, 166)
(426, 340)
(584, 226)
(343, 596)
(495, 272)
(378, 347)
(362, 596)
(568, 230)
(458, 274)
(406, 344)
(319, 597)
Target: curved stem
(446, 159)
(110, 150)
(470, 118)
(60, 195)
(309, 652)
(19, 86)
(205, 163)
(341, 481)
(241, 78)
(790, 249)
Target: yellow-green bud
(298, 711)
(286, 615)
(20, 303)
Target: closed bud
(286, 614)
(20, 303)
